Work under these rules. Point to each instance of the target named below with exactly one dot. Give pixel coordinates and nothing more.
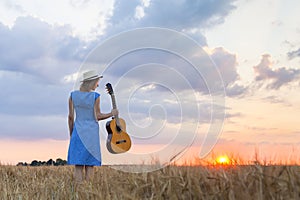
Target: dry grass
(172, 182)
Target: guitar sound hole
(120, 141)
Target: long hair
(88, 85)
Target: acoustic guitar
(118, 141)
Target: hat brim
(92, 78)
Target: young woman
(84, 148)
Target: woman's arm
(101, 116)
(71, 116)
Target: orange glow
(223, 160)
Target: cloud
(31, 108)
(294, 54)
(39, 61)
(25, 94)
(216, 70)
(236, 90)
(276, 100)
(35, 57)
(33, 127)
(187, 16)
(35, 47)
(226, 64)
(86, 17)
(159, 86)
(78, 3)
(276, 77)
(13, 6)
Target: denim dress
(84, 147)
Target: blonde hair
(88, 85)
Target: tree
(50, 162)
(60, 161)
(34, 163)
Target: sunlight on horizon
(223, 160)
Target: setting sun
(223, 160)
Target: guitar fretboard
(114, 104)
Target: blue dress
(84, 147)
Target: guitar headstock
(109, 89)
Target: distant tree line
(57, 162)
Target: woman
(84, 149)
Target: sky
(221, 77)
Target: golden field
(172, 182)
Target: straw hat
(91, 75)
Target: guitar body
(118, 141)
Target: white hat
(90, 75)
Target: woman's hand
(114, 112)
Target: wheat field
(172, 182)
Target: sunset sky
(252, 45)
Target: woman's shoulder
(72, 93)
(75, 91)
(97, 95)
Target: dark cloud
(186, 14)
(236, 90)
(178, 15)
(161, 66)
(35, 47)
(226, 64)
(294, 54)
(34, 59)
(277, 77)
(124, 11)
(30, 109)
(276, 100)
(24, 94)
(33, 127)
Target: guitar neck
(114, 104)
(113, 100)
